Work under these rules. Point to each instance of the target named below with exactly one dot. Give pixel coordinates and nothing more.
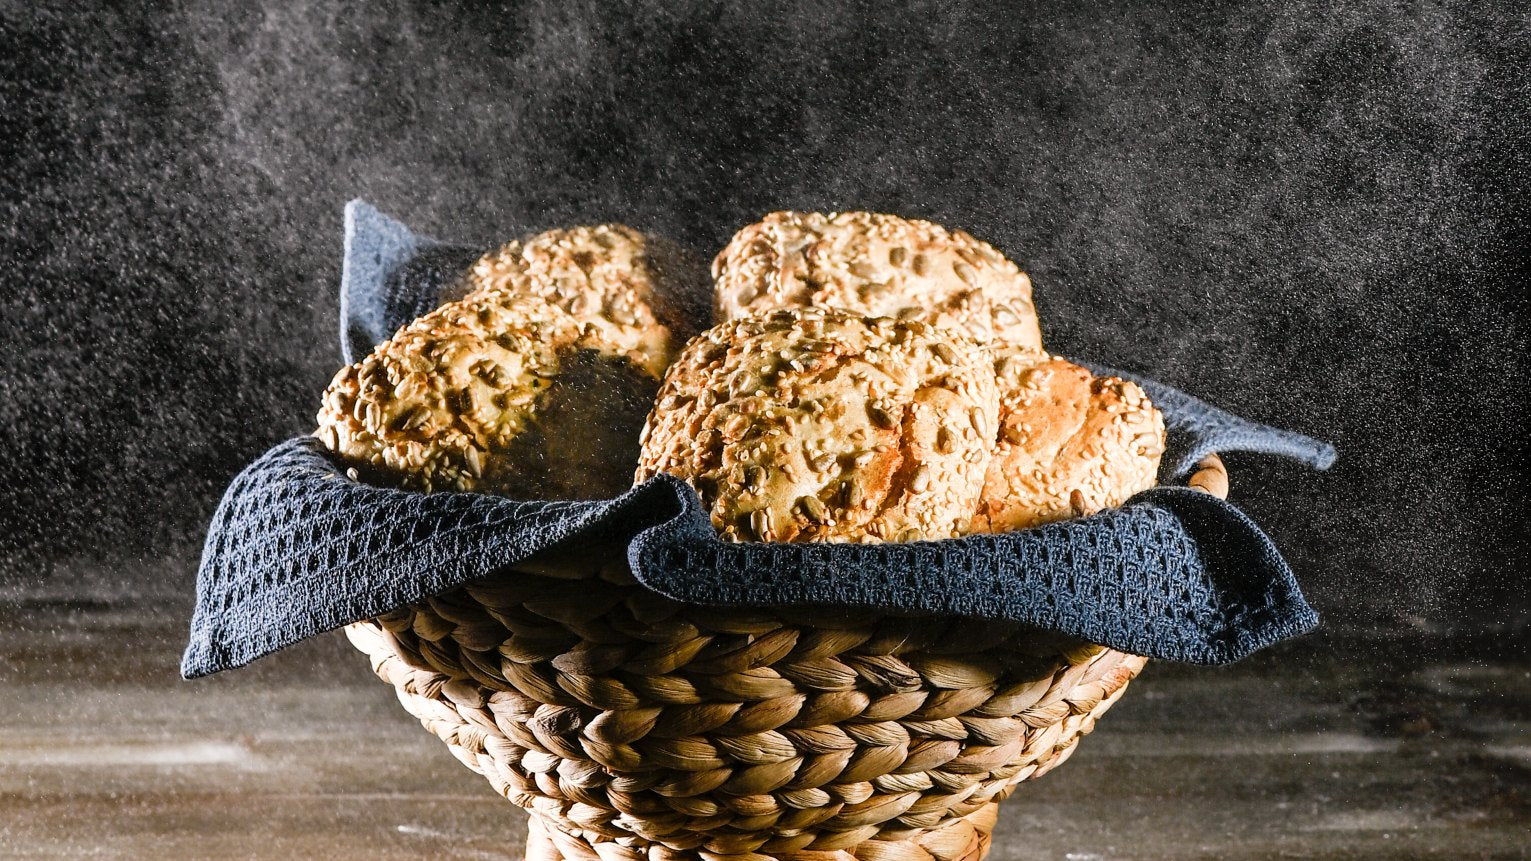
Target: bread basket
(644, 688)
(630, 726)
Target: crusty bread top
(534, 384)
(430, 404)
(1069, 443)
(613, 279)
(812, 425)
(876, 265)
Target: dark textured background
(1307, 212)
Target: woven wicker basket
(634, 727)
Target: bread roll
(812, 425)
(1069, 443)
(533, 385)
(637, 293)
(876, 265)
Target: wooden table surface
(1323, 748)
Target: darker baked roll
(812, 425)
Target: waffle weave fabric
(297, 548)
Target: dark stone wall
(1307, 212)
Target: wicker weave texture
(635, 728)
(631, 726)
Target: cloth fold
(1197, 429)
(297, 548)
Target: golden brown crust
(1069, 443)
(618, 282)
(428, 406)
(534, 384)
(872, 264)
(811, 425)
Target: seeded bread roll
(534, 383)
(494, 393)
(637, 293)
(1069, 444)
(812, 425)
(878, 266)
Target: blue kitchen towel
(297, 548)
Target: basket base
(553, 687)
(539, 846)
(965, 839)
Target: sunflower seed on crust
(1069, 443)
(876, 265)
(867, 380)
(448, 401)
